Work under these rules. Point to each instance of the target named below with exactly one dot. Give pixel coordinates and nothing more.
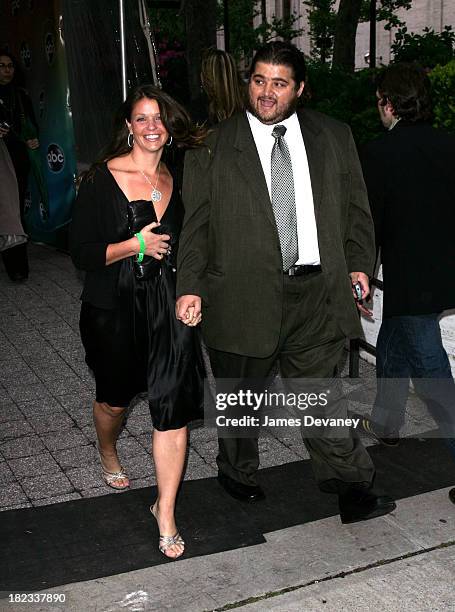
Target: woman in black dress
(124, 234)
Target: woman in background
(18, 129)
(223, 85)
(11, 230)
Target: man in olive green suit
(276, 231)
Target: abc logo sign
(55, 158)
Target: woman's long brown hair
(185, 134)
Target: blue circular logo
(55, 158)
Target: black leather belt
(302, 270)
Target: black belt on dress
(302, 270)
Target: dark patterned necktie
(283, 198)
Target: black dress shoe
(357, 505)
(452, 495)
(239, 490)
(387, 439)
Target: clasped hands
(188, 310)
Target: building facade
(434, 14)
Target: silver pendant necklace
(156, 193)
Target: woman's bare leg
(108, 422)
(168, 449)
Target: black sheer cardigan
(100, 218)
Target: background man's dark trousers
(410, 347)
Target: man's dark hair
(407, 88)
(279, 52)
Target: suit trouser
(310, 346)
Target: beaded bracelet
(140, 255)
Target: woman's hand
(3, 131)
(156, 245)
(33, 143)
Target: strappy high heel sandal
(166, 542)
(111, 478)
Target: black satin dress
(140, 346)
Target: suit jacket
(229, 250)
(410, 177)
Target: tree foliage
(168, 23)
(428, 49)
(168, 26)
(322, 20)
(347, 97)
(244, 37)
(386, 11)
(329, 28)
(345, 34)
(443, 84)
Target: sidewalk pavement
(47, 455)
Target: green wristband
(140, 255)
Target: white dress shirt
(306, 221)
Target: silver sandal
(166, 542)
(110, 478)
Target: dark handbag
(140, 214)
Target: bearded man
(276, 232)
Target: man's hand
(3, 131)
(362, 279)
(188, 309)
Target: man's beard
(283, 114)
